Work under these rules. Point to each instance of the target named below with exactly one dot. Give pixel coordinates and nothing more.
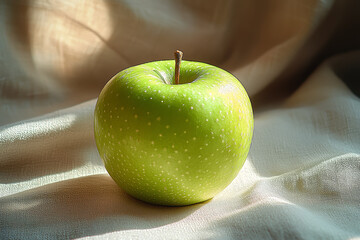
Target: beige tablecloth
(297, 59)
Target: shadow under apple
(84, 206)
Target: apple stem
(178, 56)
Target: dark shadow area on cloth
(337, 33)
(348, 70)
(80, 207)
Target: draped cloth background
(298, 60)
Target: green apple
(173, 144)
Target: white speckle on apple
(135, 116)
(158, 118)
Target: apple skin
(171, 144)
